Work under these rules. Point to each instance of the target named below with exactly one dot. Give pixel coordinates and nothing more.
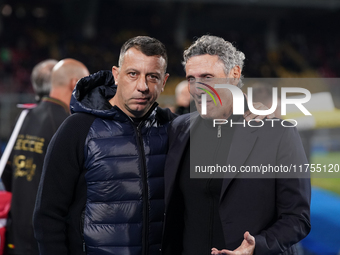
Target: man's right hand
(246, 248)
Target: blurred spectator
(41, 78)
(23, 171)
(183, 98)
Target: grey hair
(213, 45)
(41, 77)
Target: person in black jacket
(23, 171)
(102, 186)
(238, 213)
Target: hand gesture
(246, 248)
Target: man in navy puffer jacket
(101, 190)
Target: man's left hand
(246, 248)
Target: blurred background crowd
(280, 38)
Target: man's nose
(199, 90)
(194, 89)
(142, 84)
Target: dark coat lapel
(176, 152)
(242, 144)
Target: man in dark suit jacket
(240, 213)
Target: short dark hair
(147, 45)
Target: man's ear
(115, 73)
(164, 81)
(73, 83)
(235, 72)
